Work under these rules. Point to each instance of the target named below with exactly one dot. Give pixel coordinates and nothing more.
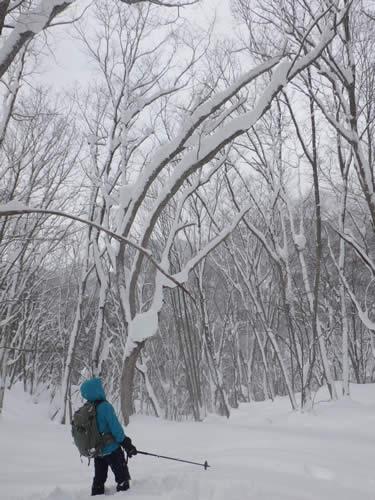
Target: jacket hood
(92, 390)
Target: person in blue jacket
(112, 455)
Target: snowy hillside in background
(264, 452)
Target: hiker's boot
(123, 486)
(97, 490)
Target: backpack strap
(107, 437)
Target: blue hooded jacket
(106, 419)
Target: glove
(129, 447)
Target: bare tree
(343, 91)
(34, 171)
(21, 22)
(203, 129)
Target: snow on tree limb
(177, 145)
(145, 324)
(363, 314)
(182, 276)
(27, 25)
(361, 252)
(208, 147)
(4, 5)
(37, 18)
(16, 208)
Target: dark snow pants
(116, 461)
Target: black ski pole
(205, 465)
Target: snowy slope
(264, 452)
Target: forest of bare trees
(196, 225)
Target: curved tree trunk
(127, 382)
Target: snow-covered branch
(27, 25)
(183, 275)
(361, 252)
(209, 146)
(363, 314)
(15, 208)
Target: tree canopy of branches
(226, 192)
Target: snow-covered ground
(264, 452)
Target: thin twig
(122, 239)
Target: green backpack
(86, 436)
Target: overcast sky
(66, 63)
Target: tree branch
(161, 3)
(14, 208)
(27, 25)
